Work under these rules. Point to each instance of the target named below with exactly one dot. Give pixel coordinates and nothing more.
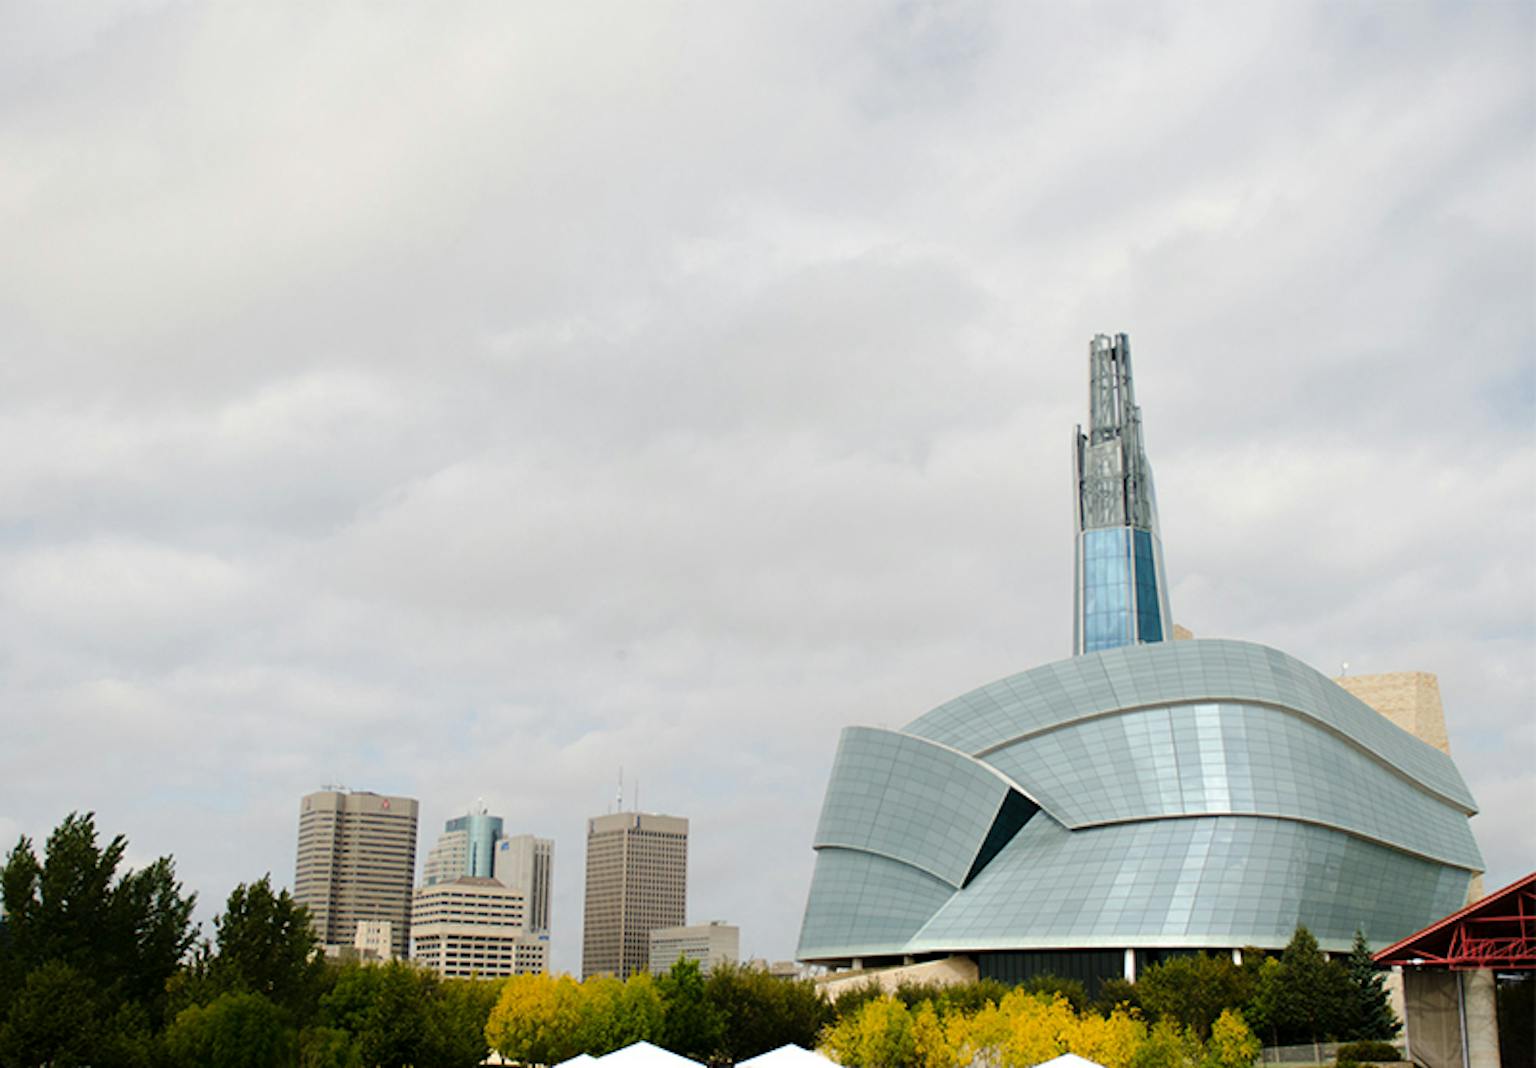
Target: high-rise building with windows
(1143, 797)
(475, 928)
(356, 864)
(466, 847)
(637, 881)
(526, 863)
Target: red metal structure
(1497, 932)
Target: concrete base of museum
(1450, 1019)
(946, 972)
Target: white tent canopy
(639, 1055)
(1070, 1060)
(790, 1056)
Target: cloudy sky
(464, 402)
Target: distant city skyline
(462, 403)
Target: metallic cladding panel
(1205, 881)
(861, 904)
(1218, 758)
(908, 799)
(1185, 671)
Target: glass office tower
(1121, 596)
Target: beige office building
(526, 863)
(637, 881)
(706, 944)
(475, 928)
(356, 863)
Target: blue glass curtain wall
(1114, 559)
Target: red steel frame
(1497, 932)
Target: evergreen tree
(1369, 1016)
(1309, 993)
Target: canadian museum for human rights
(1151, 795)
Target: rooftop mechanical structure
(1140, 799)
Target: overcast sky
(464, 401)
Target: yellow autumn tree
(931, 1039)
(879, 1035)
(1039, 1027)
(1111, 1041)
(1232, 1045)
(1169, 1045)
(536, 1019)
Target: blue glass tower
(1121, 596)
(481, 831)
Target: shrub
(1369, 1051)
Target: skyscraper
(1121, 595)
(356, 862)
(637, 881)
(465, 847)
(526, 864)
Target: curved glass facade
(1190, 794)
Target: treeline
(1188, 1011)
(106, 969)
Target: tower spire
(1121, 596)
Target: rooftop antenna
(619, 797)
(637, 793)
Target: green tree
(397, 1022)
(456, 1019)
(1114, 993)
(853, 998)
(1051, 986)
(327, 1047)
(238, 1030)
(52, 1020)
(970, 997)
(761, 1012)
(615, 1014)
(1193, 990)
(1307, 993)
(1368, 1014)
(1169, 1045)
(691, 1027)
(266, 946)
(128, 932)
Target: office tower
(1121, 595)
(356, 862)
(706, 944)
(1143, 798)
(527, 864)
(465, 847)
(637, 881)
(470, 927)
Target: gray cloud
(467, 406)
